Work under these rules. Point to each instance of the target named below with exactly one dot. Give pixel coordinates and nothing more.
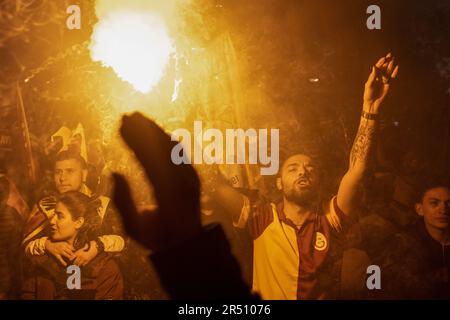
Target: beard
(305, 197)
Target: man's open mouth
(302, 184)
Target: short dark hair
(71, 155)
(431, 183)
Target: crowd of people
(299, 244)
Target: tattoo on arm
(363, 143)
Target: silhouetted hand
(377, 85)
(176, 188)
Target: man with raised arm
(297, 242)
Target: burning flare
(135, 44)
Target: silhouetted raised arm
(193, 262)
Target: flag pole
(25, 133)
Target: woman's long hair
(80, 205)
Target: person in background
(416, 265)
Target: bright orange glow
(135, 44)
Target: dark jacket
(417, 266)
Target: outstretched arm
(375, 90)
(216, 185)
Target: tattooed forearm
(363, 143)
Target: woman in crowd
(77, 223)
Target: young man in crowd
(297, 243)
(416, 263)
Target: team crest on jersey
(321, 242)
